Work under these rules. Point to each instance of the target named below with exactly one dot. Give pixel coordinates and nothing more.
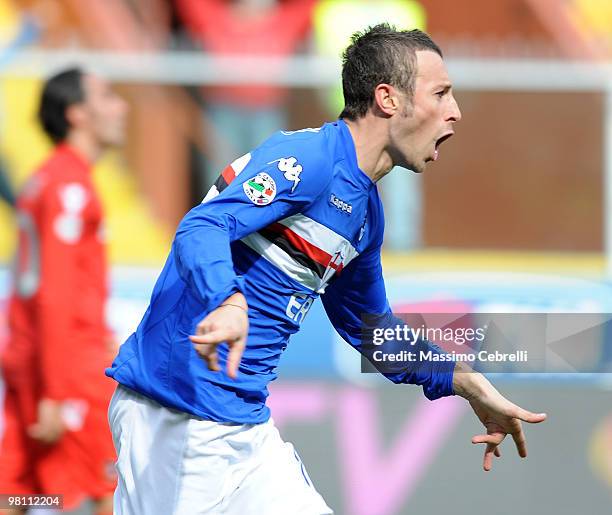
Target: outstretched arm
(361, 290)
(499, 416)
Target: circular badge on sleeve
(261, 189)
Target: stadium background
(514, 217)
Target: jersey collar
(74, 155)
(351, 155)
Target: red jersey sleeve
(61, 225)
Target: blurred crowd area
(530, 160)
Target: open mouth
(439, 142)
(443, 138)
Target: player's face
(426, 120)
(106, 112)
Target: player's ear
(386, 99)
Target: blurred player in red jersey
(56, 438)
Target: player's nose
(454, 113)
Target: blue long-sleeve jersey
(294, 219)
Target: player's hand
(499, 416)
(49, 427)
(228, 323)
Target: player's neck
(369, 137)
(88, 147)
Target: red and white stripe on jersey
(278, 257)
(304, 249)
(229, 173)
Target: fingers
(214, 337)
(493, 438)
(222, 326)
(519, 436)
(527, 416)
(233, 359)
(49, 426)
(209, 354)
(492, 449)
(493, 441)
(521, 442)
(206, 346)
(35, 431)
(208, 351)
(532, 418)
(44, 434)
(487, 461)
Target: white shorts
(172, 463)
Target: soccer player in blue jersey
(297, 218)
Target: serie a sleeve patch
(260, 189)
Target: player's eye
(442, 92)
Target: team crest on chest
(261, 189)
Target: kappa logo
(345, 207)
(261, 189)
(291, 170)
